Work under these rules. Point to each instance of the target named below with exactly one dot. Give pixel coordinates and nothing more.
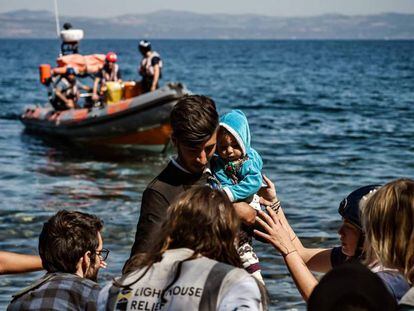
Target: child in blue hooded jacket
(237, 166)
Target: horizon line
(216, 13)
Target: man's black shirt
(157, 197)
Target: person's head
(67, 26)
(194, 122)
(388, 221)
(351, 287)
(234, 135)
(350, 237)
(70, 74)
(350, 231)
(71, 242)
(144, 47)
(110, 59)
(201, 219)
(227, 146)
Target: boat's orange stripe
(122, 105)
(155, 136)
(54, 116)
(80, 114)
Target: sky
(107, 8)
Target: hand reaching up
(274, 232)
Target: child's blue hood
(236, 123)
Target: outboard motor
(70, 39)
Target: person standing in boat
(150, 67)
(70, 39)
(110, 72)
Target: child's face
(227, 146)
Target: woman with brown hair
(388, 219)
(194, 265)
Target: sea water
(326, 116)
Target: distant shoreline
(220, 39)
(179, 25)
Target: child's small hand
(268, 195)
(234, 179)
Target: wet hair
(201, 219)
(388, 220)
(66, 237)
(194, 119)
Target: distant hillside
(186, 25)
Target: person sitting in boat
(66, 91)
(150, 67)
(110, 72)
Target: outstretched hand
(274, 232)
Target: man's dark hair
(66, 237)
(67, 26)
(194, 119)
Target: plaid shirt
(57, 291)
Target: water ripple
(326, 116)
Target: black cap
(144, 46)
(349, 207)
(351, 286)
(67, 26)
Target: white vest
(146, 68)
(201, 285)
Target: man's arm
(95, 88)
(246, 213)
(59, 94)
(156, 77)
(153, 213)
(83, 86)
(18, 263)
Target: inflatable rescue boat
(141, 121)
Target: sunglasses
(103, 254)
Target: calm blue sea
(326, 116)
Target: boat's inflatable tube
(71, 35)
(142, 120)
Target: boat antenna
(57, 18)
